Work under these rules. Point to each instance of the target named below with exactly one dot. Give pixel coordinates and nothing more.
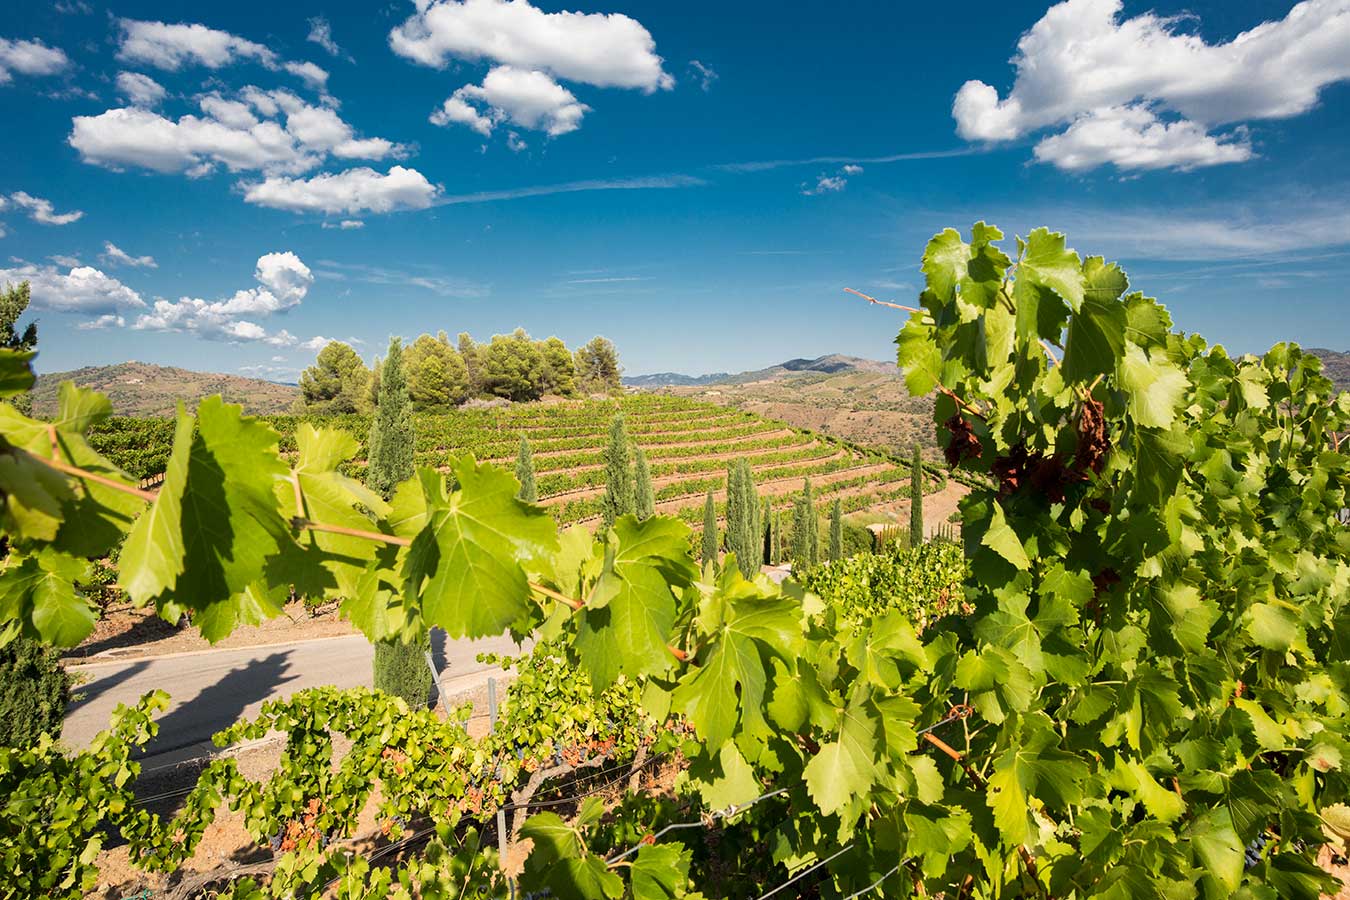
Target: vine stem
(908, 309)
(66, 468)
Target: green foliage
(525, 472)
(922, 583)
(338, 381)
(559, 368)
(710, 542)
(916, 534)
(512, 366)
(400, 669)
(743, 513)
(644, 500)
(13, 302)
(391, 432)
(836, 531)
(619, 496)
(597, 368)
(34, 691)
(805, 530)
(437, 378)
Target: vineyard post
(501, 813)
(436, 680)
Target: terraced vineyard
(688, 445)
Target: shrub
(34, 690)
(401, 669)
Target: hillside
(1335, 365)
(142, 389)
(688, 444)
(856, 399)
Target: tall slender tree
(775, 539)
(916, 498)
(764, 534)
(743, 536)
(525, 472)
(618, 499)
(805, 530)
(399, 666)
(709, 531)
(391, 433)
(644, 498)
(836, 530)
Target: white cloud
(1083, 66)
(826, 184)
(312, 75)
(141, 90)
(704, 73)
(60, 259)
(852, 169)
(345, 224)
(229, 134)
(321, 33)
(316, 343)
(1132, 137)
(40, 210)
(515, 142)
(107, 320)
(114, 255)
(526, 98)
(353, 191)
(171, 47)
(284, 280)
(604, 50)
(30, 58)
(83, 289)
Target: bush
(34, 690)
(401, 669)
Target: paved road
(211, 689)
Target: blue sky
(698, 182)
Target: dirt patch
(127, 632)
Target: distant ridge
(143, 389)
(831, 364)
(1335, 365)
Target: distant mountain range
(143, 389)
(832, 364)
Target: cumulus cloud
(593, 48)
(83, 289)
(61, 259)
(107, 320)
(284, 281)
(114, 255)
(30, 58)
(1157, 90)
(171, 47)
(40, 210)
(351, 192)
(526, 98)
(268, 131)
(312, 75)
(141, 90)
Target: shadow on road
(83, 693)
(219, 705)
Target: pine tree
(644, 498)
(525, 472)
(391, 433)
(709, 531)
(618, 499)
(916, 498)
(836, 530)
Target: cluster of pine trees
(440, 375)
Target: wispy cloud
(445, 285)
(654, 182)
(767, 164)
(614, 280)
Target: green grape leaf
(466, 562)
(40, 590)
(559, 861)
(214, 524)
(78, 409)
(1004, 541)
(919, 358)
(1037, 767)
(1096, 339)
(944, 263)
(845, 769)
(1048, 263)
(626, 623)
(660, 872)
(1217, 848)
(936, 835)
(16, 373)
(1155, 386)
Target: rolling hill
(143, 389)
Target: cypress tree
(644, 504)
(916, 498)
(390, 455)
(765, 532)
(401, 669)
(710, 531)
(805, 531)
(743, 535)
(836, 531)
(618, 499)
(775, 539)
(525, 472)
